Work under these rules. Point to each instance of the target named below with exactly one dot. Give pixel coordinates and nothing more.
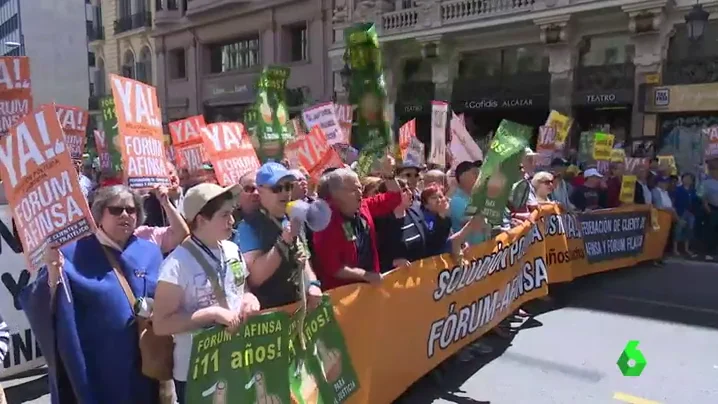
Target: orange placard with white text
(230, 150)
(42, 186)
(313, 152)
(139, 126)
(73, 121)
(102, 152)
(406, 133)
(15, 90)
(188, 143)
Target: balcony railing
(691, 71)
(134, 21)
(606, 77)
(447, 12)
(167, 12)
(94, 32)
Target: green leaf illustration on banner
(272, 113)
(247, 367)
(112, 138)
(372, 133)
(501, 169)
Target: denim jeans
(180, 391)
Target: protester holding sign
(590, 195)
(202, 282)
(81, 306)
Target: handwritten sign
(324, 116)
(139, 123)
(73, 121)
(313, 152)
(41, 184)
(230, 150)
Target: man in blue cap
(273, 248)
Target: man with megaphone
(272, 242)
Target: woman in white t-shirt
(203, 281)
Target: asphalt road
(568, 355)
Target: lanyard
(221, 264)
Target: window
(606, 50)
(524, 60)
(144, 67)
(482, 64)
(178, 64)
(9, 26)
(297, 42)
(236, 55)
(90, 59)
(14, 52)
(407, 4)
(128, 66)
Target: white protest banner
(323, 115)
(462, 146)
(439, 119)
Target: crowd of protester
(203, 254)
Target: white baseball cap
(200, 194)
(592, 172)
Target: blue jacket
(685, 200)
(94, 335)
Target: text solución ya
(465, 321)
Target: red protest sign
(73, 121)
(230, 150)
(41, 184)
(188, 142)
(313, 152)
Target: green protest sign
(249, 366)
(585, 147)
(372, 133)
(501, 169)
(112, 138)
(271, 112)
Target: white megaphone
(316, 214)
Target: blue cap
(270, 173)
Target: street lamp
(696, 21)
(346, 74)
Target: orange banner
(42, 186)
(102, 153)
(452, 305)
(230, 150)
(15, 90)
(139, 122)
(73, 121)
(313, 152)
(188, 142)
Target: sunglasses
(279, 188)
(249, 189)
(547, 182)
(117, 210)
(410, 175)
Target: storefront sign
(684, 98)
(492, 103)
(229, 90)
(604, 98)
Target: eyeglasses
(410, 175)
(117, 210)
(249, 189)
(279, 188)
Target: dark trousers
(180, 391)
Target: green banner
(265, 362)
(247, 367)
(272, 115)
(372, 133)
(500, 171)
(585, 147)
(112, 138)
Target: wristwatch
(314, 283)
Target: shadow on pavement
(27, 391)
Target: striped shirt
(4, 339)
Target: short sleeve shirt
(457, 210)
(182, 269)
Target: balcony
(450, 12)
(167, 11)
(134, 21)
(94, 32)
(93, 103)
(691, 71)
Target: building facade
(120, 39)
(519, 59)
(58, 51)
(210, 54)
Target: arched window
(144, 67)
(128, 64)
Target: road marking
(663, 304)
(627, 398)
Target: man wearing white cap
(589, 196)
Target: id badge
(237, 268)
(349, 232)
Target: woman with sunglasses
(84, 320)
(543, 186)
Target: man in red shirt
(345, 252)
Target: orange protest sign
(102, 153)
(15, 91)
(188, 142)
(230, 150)
(139, 124)
(406, 132)
(14, 73)
(73, 121)
(42, 186)
(313, 152)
